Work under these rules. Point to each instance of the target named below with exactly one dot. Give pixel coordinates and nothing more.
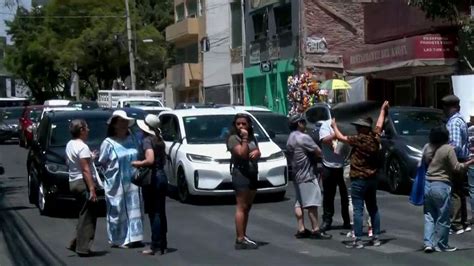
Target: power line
(59, 17)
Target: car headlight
(56, 168)
(414, 150)
(276, 156)
(199, 158)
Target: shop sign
(316, 45)
(430, 46)
(273, 50)
(254, 55)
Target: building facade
(411, 58)
(208, 39)
(288, 37)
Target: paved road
(203, 234)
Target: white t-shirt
(76, 149)
(330, 159)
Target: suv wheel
(44, 204)
(31, 188)
(183, 191)
(395, 175)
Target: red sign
(431, 46)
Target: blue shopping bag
(417, 195)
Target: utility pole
(130, 49)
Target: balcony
(182, 31)
(183, 75)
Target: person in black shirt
(154, 195)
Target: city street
(203, 234)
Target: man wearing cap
(308, 193)
(458, 138)
(365, 147)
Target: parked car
(199, 162)
(56, 102)
(48, 179)
(405, 133)
(9, 123)
(84, 105)
(28, 121)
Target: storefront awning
(419, 53)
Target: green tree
(83, 36)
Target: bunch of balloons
(303, 92)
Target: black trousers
(333, 178)
(458, 201)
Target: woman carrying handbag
(154, 194)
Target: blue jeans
(437, 213)
(470, 176)
(155, 205)
(363, 190)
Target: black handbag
(142, 177)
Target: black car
(406, 131)
(48, 179)
(9, 123)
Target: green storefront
(269, 89)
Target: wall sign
(316, 45)
(254, 55)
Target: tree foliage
(87, 37)
(448, 9)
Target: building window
(238, 89)
(236, 24)
(283, 18)
(180, 14)
(192, 7)
(187, 54)
(260, 25)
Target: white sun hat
(122, 114)
(150, 125)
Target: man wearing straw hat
(365, 150)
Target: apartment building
(285, 37)
(207, 35)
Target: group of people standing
(303, 150)
(121, 153)
(362, 183)
(448, 156)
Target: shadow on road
(228, 200)
(23, 243)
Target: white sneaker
(468, 229)
(460, 231)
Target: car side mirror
(2, 170)
(271, 134)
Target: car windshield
(35, 114)
(213, 129)
(277, 124)
(60, 132)
(414, 123)
(135, 103)
(11, 113)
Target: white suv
(198, 161)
